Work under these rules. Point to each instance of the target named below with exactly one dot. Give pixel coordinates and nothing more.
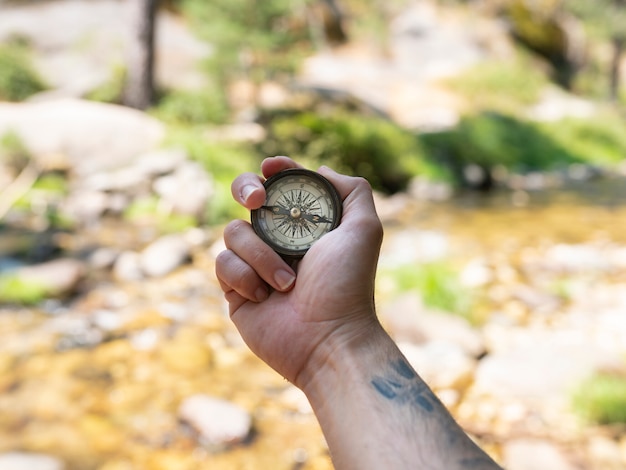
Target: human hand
(287, 316)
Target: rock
(85, 206)
(58, 277)
(218, 422)
(127, 266)
(534, 454)
(29, 461)
(83, 136)
(537, 382)
(187, 190)
(414, 246)
(441, 364)
(75, 66)
(164, 255)
(605, 453)
(476, 273)
(407, 320)
(160, 162)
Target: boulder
(408, 320)
(58, 277)
(81, 136)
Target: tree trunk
(615, 75)
(139, 86)
(334, 23)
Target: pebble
(534, 454)
(408, 320)
(443, 365)
(163, 255)
(127, 267)
(59, 277)
(218, 422)
(28, 461)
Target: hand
(287, 316)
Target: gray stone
(534, 454)
(187, 190)
(408, 320)
(29, 461)
(79, 46)
(160, 162)
(218, 422)
(82, 136)
(127, 267)
(58, 277)
(443, 365)
(164, 255)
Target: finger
(358, 202)
(242, 240)
(235, 301)
(273, 165)
(235, 275)
(248, 190)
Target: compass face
(301, 206)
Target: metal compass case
(301, 206)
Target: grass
(601, 399)
(18, 77)
(15, 290)
(501, 85)
(438, 284)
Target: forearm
(376, 412)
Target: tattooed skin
(403, 387)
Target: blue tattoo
(403, 387)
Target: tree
(139, 86)
(605, 19)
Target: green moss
(148, 211)
(602, 399)
(15, 290)
(18, 78)
(438, 284)
(501, 85)
(110, 91)
(387, 155)
(182, 107)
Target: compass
(301, 206)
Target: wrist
(347, 350)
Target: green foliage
(601, 399)
(148, 211)
(603, 18)
(13, 152)
(15, 290)
(438, 283)
(599, 141)
(183, 107)
(499, 85)
(491, 139)
(251, 38)
(111, 91)
(374, 148)
(18, 78)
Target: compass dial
(300, 207)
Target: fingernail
(261, 294)
(247, 191)
(284, 279)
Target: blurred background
(494, 134)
